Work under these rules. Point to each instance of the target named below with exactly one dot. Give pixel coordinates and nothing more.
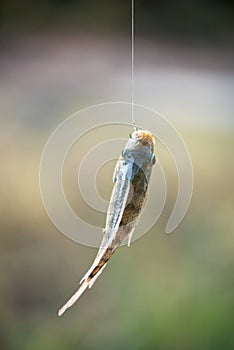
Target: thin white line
(133, 54)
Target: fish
(131, 179)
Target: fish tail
(73, 299)
(86, 282)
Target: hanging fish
(131, 179)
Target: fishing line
(132, 64)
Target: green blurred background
(165, 292)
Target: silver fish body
(131, 179)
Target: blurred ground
(165, 292)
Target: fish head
(138, 152)
(144, 138)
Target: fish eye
(153, 159)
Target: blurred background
(165, 292)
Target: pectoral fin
(130, 237)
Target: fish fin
(130, 237)
(120, 195)
(92, 281)
(86, 282)
(110, 234)
(88, 272)
(74, 298)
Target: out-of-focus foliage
(212, 20)
(164, 292)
